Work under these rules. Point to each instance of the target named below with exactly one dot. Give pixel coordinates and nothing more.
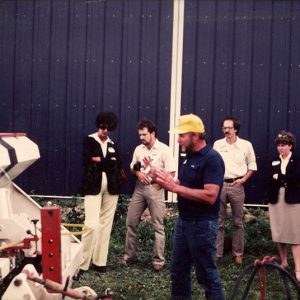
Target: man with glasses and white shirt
(240, 164)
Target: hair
(107, 118)
(202, 135)
(236, 123)
(286, 138)
(145, 123)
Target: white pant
(99, 215)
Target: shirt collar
(287, 158)
(155, 145)
(237, 142)
(96, 137)
(202, 151)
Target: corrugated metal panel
(64, 61)
(294, 86)
(58, 65)
(241, 58)
(75, 91)
(39, 115)
(7, 66)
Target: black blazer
(291, 180)
(111, 164)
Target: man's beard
(189, 149)
(144, 142)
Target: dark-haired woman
(100, 188)
(284, 199)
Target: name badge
(275, 163)
(111, 150)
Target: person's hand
(150, 170)
(166, 180)
(240, 181)
(143, 178)
(96, 158)
(147, 162)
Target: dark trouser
(194, 245)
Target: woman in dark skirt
(284, 199)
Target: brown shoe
(124, 262)
(239, 260)
(157, 267)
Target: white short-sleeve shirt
(160, 155)
(238, 157)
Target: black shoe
(79, 273)
(99, 269)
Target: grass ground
(138, 281)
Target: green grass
(138, 281)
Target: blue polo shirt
(202, 167)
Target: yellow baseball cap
(189, 123)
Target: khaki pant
(99, 214)
(235, 195)
(146, 196)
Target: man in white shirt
(240, 164)
(148, 194)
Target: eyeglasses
(228, 127)
(103, 127)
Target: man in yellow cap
(198, 188)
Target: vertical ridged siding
(242, 58)
(63, 61)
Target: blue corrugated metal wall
(63, 61)
(242, 58)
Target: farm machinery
(38, 256)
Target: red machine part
(25, 244)
(51, 243)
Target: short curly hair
(286, 138)
(107, 118)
